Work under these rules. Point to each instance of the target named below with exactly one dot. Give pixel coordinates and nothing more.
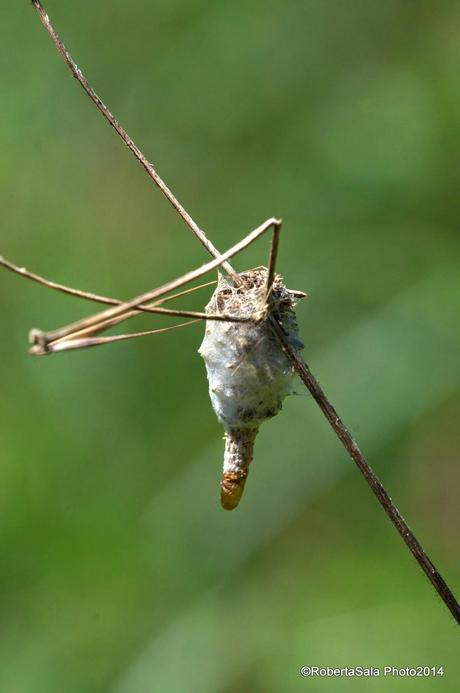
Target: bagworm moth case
(248, 372)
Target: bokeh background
(119, 571)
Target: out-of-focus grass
(120, 571)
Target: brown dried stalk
(134, 149)
(299, 365)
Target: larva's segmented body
(248, 372)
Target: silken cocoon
(249, 374)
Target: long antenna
(298, 364)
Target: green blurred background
(119, 570)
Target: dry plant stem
(185, 292)
(98, 341)
(134, 149)
(272, 260)
(88, 295)
(302, 369)
(101, 321)
(378, 489)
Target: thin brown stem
(133, 148)
(371, 478)
(108, 318)
(90, 296)
(272, 259)
(86, 343)
(179, 294)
